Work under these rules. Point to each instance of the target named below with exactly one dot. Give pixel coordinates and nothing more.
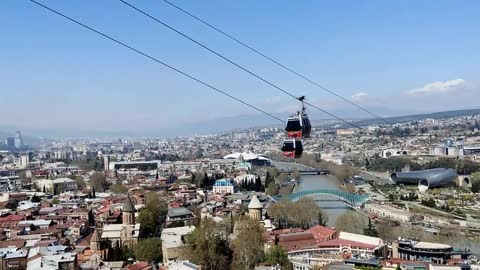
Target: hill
(417, 117)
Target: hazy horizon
(394, 58)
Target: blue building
(10, 143)
(223, 186)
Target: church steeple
(255, 208)
(95, 241)
(128, 212)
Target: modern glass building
(438, 177)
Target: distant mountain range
(219, 126)
(417, 117)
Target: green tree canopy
(475, 180)
(370, 230)
(208, 248)
(149, 250)
(149, 221)
(152, 216)
(277, 255)
(272, 189)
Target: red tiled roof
(44, 243)
(341, 242)
(296, 240)
(284, 231)
(295, 236)
(12, 243)
(139, 266)
(12, 218)
(176, 205)
(322, 230)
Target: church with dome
(127, 233)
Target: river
(330, 205)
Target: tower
(106, 162)
(255, 208)
(10, 143)
(18, 140)
(95, 241)
(128, 212)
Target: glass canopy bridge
(351, 199)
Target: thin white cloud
(359, 96)
(272, 100)
(439, 87)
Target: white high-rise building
(24, 161)
(18, 140)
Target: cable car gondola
(292, 148)
(298, 126)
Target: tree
(199, 179)
(303, 213)
(343, 172)
(155, 204)
(430, 202)
(91, 218)
(89, 164)
(248, 243)
(152, 216)
(118, 188)
(322, 218)
(80, 182)
(149, 222)
(206, 247)
(149, 250)
(35, 199)
(12, 205)
(98, 181)
(370, 230)
(296, 174)
(268, 178)
(350, 221)
(258, 185)
(272, 189)
(475, 180)
(277, 255)
(282, 178)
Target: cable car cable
(155, 60)
(291, 70)
(234, 63)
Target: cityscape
(122, 177)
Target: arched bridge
(351, 199)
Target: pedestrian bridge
(351, 199)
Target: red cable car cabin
(292, 148)
(298, 126)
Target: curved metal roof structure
(438, 177)
(351, 199)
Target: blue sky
(55, 75)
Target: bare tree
(248, 243)
(352, 222)
(296, 174)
